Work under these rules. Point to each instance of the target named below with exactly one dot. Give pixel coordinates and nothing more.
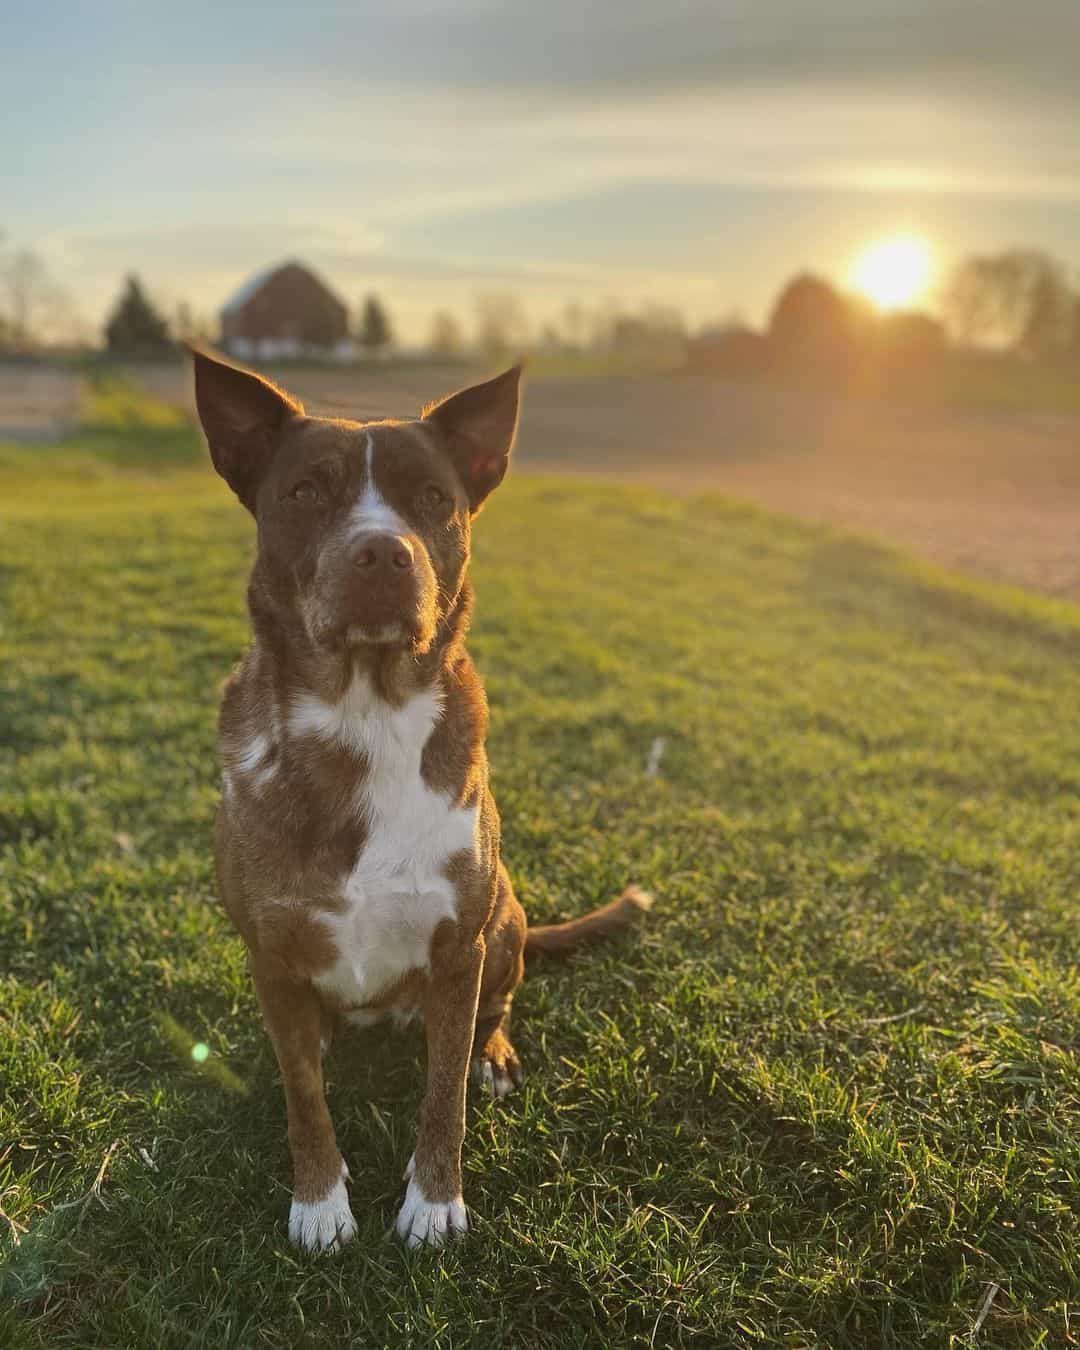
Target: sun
(894, 271)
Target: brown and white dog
(357, 839)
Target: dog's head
(363, 528)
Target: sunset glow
(894, 272)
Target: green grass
(824, 1097)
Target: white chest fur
(397, 892)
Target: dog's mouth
(393, 634)
(347, 615)
(355, 632)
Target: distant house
(286, 311)
(728, 349)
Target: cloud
(409, 142)
(444, 152)
(388, 114)
(221, 245)
(621, 45)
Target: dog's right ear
(242, 415)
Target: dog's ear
(241, 414)
(477, 427)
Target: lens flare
(200, 1053)
(895, 271)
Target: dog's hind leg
(327, 1027)
(496, 1067)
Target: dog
(357, 841)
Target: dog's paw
(423, 1222)
(323, 1225)
(497, 1080)
(497, 1071)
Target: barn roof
(243, 294)
(255, 283)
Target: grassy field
(827, 1096)
(988, 488)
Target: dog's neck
(298, 665)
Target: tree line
(1021, 301)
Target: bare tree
(550, 338)
(1019, 299)
(36, 308)
(192, 326)
(502, 328)
(1051, 317)
(447, 339)
(602, 321)
(573, 323)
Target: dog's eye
(434, 496)
(306, 492)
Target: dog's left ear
(477, 426)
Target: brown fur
(603, 922)
(289, 828)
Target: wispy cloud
(416, 142)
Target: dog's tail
(610, 918)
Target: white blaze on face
(372, 514)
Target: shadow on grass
(859, 577)
(28, 705)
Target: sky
(572, 151)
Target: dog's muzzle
(386, 591)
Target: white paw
(422, 1222)
(496, 1081)
(323, 1225)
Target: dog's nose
(382, 553)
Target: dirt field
(994, 494)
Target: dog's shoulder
(454, 760)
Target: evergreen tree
(135, 328)
(375, 332)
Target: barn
(285, 311)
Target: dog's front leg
(320, 1217)
(433, 1205)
